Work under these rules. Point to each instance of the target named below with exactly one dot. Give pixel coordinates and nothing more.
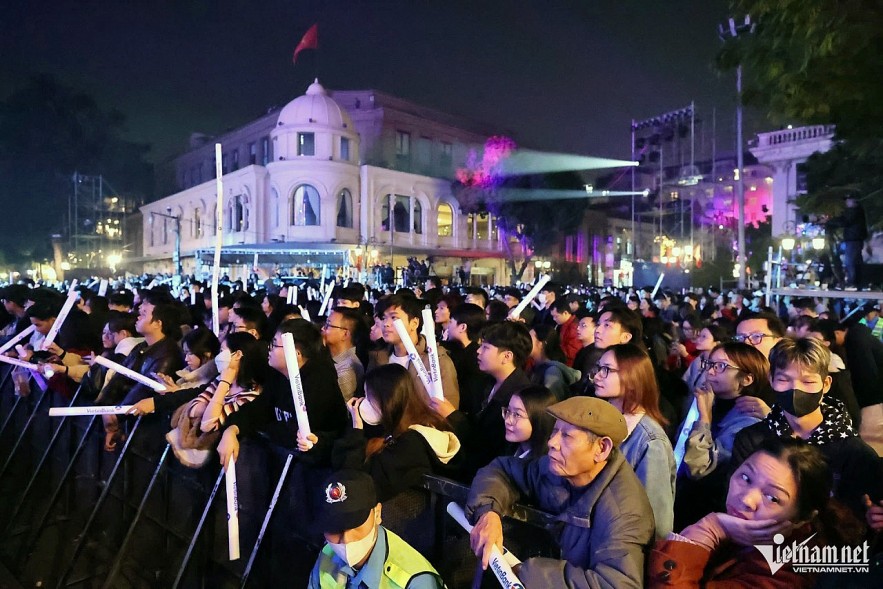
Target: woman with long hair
(780, 496)
(408, 439)
(624, 376)
(528, 425)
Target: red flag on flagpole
(310, 40)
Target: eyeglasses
(275, 345)
(717, 367)
(330, 326)
(752, 338)
(602, 371)
(514, 415)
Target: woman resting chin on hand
(781, 491)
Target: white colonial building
(305, 186)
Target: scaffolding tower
(96, 222)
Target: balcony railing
(797, 135)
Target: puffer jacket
(606, 526)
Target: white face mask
(352, 553)
(370, 415)
(222, 360)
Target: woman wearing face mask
(732, 370)
(624, 376)
(782, 491)
(195, 424)
(413, 440)
(549, 368)
(528, 426)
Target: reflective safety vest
(402, 563)
(877, 330)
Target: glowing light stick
(232, 509)
(219, 218)
(25, 333)
(501, 562)
(413, 355)
(516, 312)
(96, 410)
(129, 373)
(325, 300)
(102, 287)
(297, 387)
(59, 320)
(432, 353)
(658, 282)
(19, 363)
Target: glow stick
(219, 224)
(297, 387)
(516, 312)
(254, 264)
(192, 297)
(20, 363)
(102, 288)
(325, 300)
(59, 320)
(413, 355)
(681, 444)
(129, 373)
(96, 410)
(25, 333)
(432, 353)
(304, 313)
(656, 288)
(322, 288)
(232, 509)
(501, 562)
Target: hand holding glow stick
(72, 297)
(96, 410)
(414, 356)
(327, 298)
(129, 373)
(502, 560)
(516, 312)
(297, 387)
(25, 333)
(432, 353)
(232, 509)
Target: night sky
(561, 75)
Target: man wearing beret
(360, 553)
(607, 522)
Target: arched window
(306, 206)
(274, 207)
(197, 223)
(445, 220)
(151, 230)
(165, 231)
(237, 214)
(418, 217)
(214, 220)
(345, 209)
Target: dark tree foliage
(48, 132)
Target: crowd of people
(671, 435)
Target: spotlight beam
(525, 161)
(538, 194)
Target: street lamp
(818, 243)
(733, 31)
(788, 243)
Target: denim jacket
(649, 452)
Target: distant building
(354, 180)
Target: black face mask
(798, 403)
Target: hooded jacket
(555, 376)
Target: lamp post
(176, 255)
(733, 31)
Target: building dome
(315, 108)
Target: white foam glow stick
(232, 509)
(297, 387)
(96, 410)
(25, 333)
(19, 363)
(192, 297)
(502, 561)
(304, 313)
(322, 289)
(219, 224)
(432, 353)
(59, 320)
(129, 373)
(681, 444)
(656, 288)
(516, 312)
(413, 355)
(254, 264)
(102, 287)
(326, 299)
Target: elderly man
(585, 481)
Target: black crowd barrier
(75, 515)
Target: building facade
(351, 181)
